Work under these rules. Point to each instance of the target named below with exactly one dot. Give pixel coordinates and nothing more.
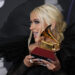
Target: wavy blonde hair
(49, 13)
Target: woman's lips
(35, 34)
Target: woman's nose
(32, 27)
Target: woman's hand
(52, 65)
(27, 60)
(30, 60)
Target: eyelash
(36, 22)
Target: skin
(36, 28)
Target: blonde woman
(41, 17)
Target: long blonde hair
(49, 13)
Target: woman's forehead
(35, 16)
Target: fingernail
(33, 57)
(39, 59)
(49, 60)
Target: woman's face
(36, 27)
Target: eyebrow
(36, 19)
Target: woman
(41, 17)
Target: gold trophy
(48, 45)
(46, 49)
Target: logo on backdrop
(2, 2)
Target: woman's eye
(36, 22)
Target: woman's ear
(53, 24)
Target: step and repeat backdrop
(6, 6)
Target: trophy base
(43, 54)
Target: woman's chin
(36, 40)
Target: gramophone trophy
(47, 49)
